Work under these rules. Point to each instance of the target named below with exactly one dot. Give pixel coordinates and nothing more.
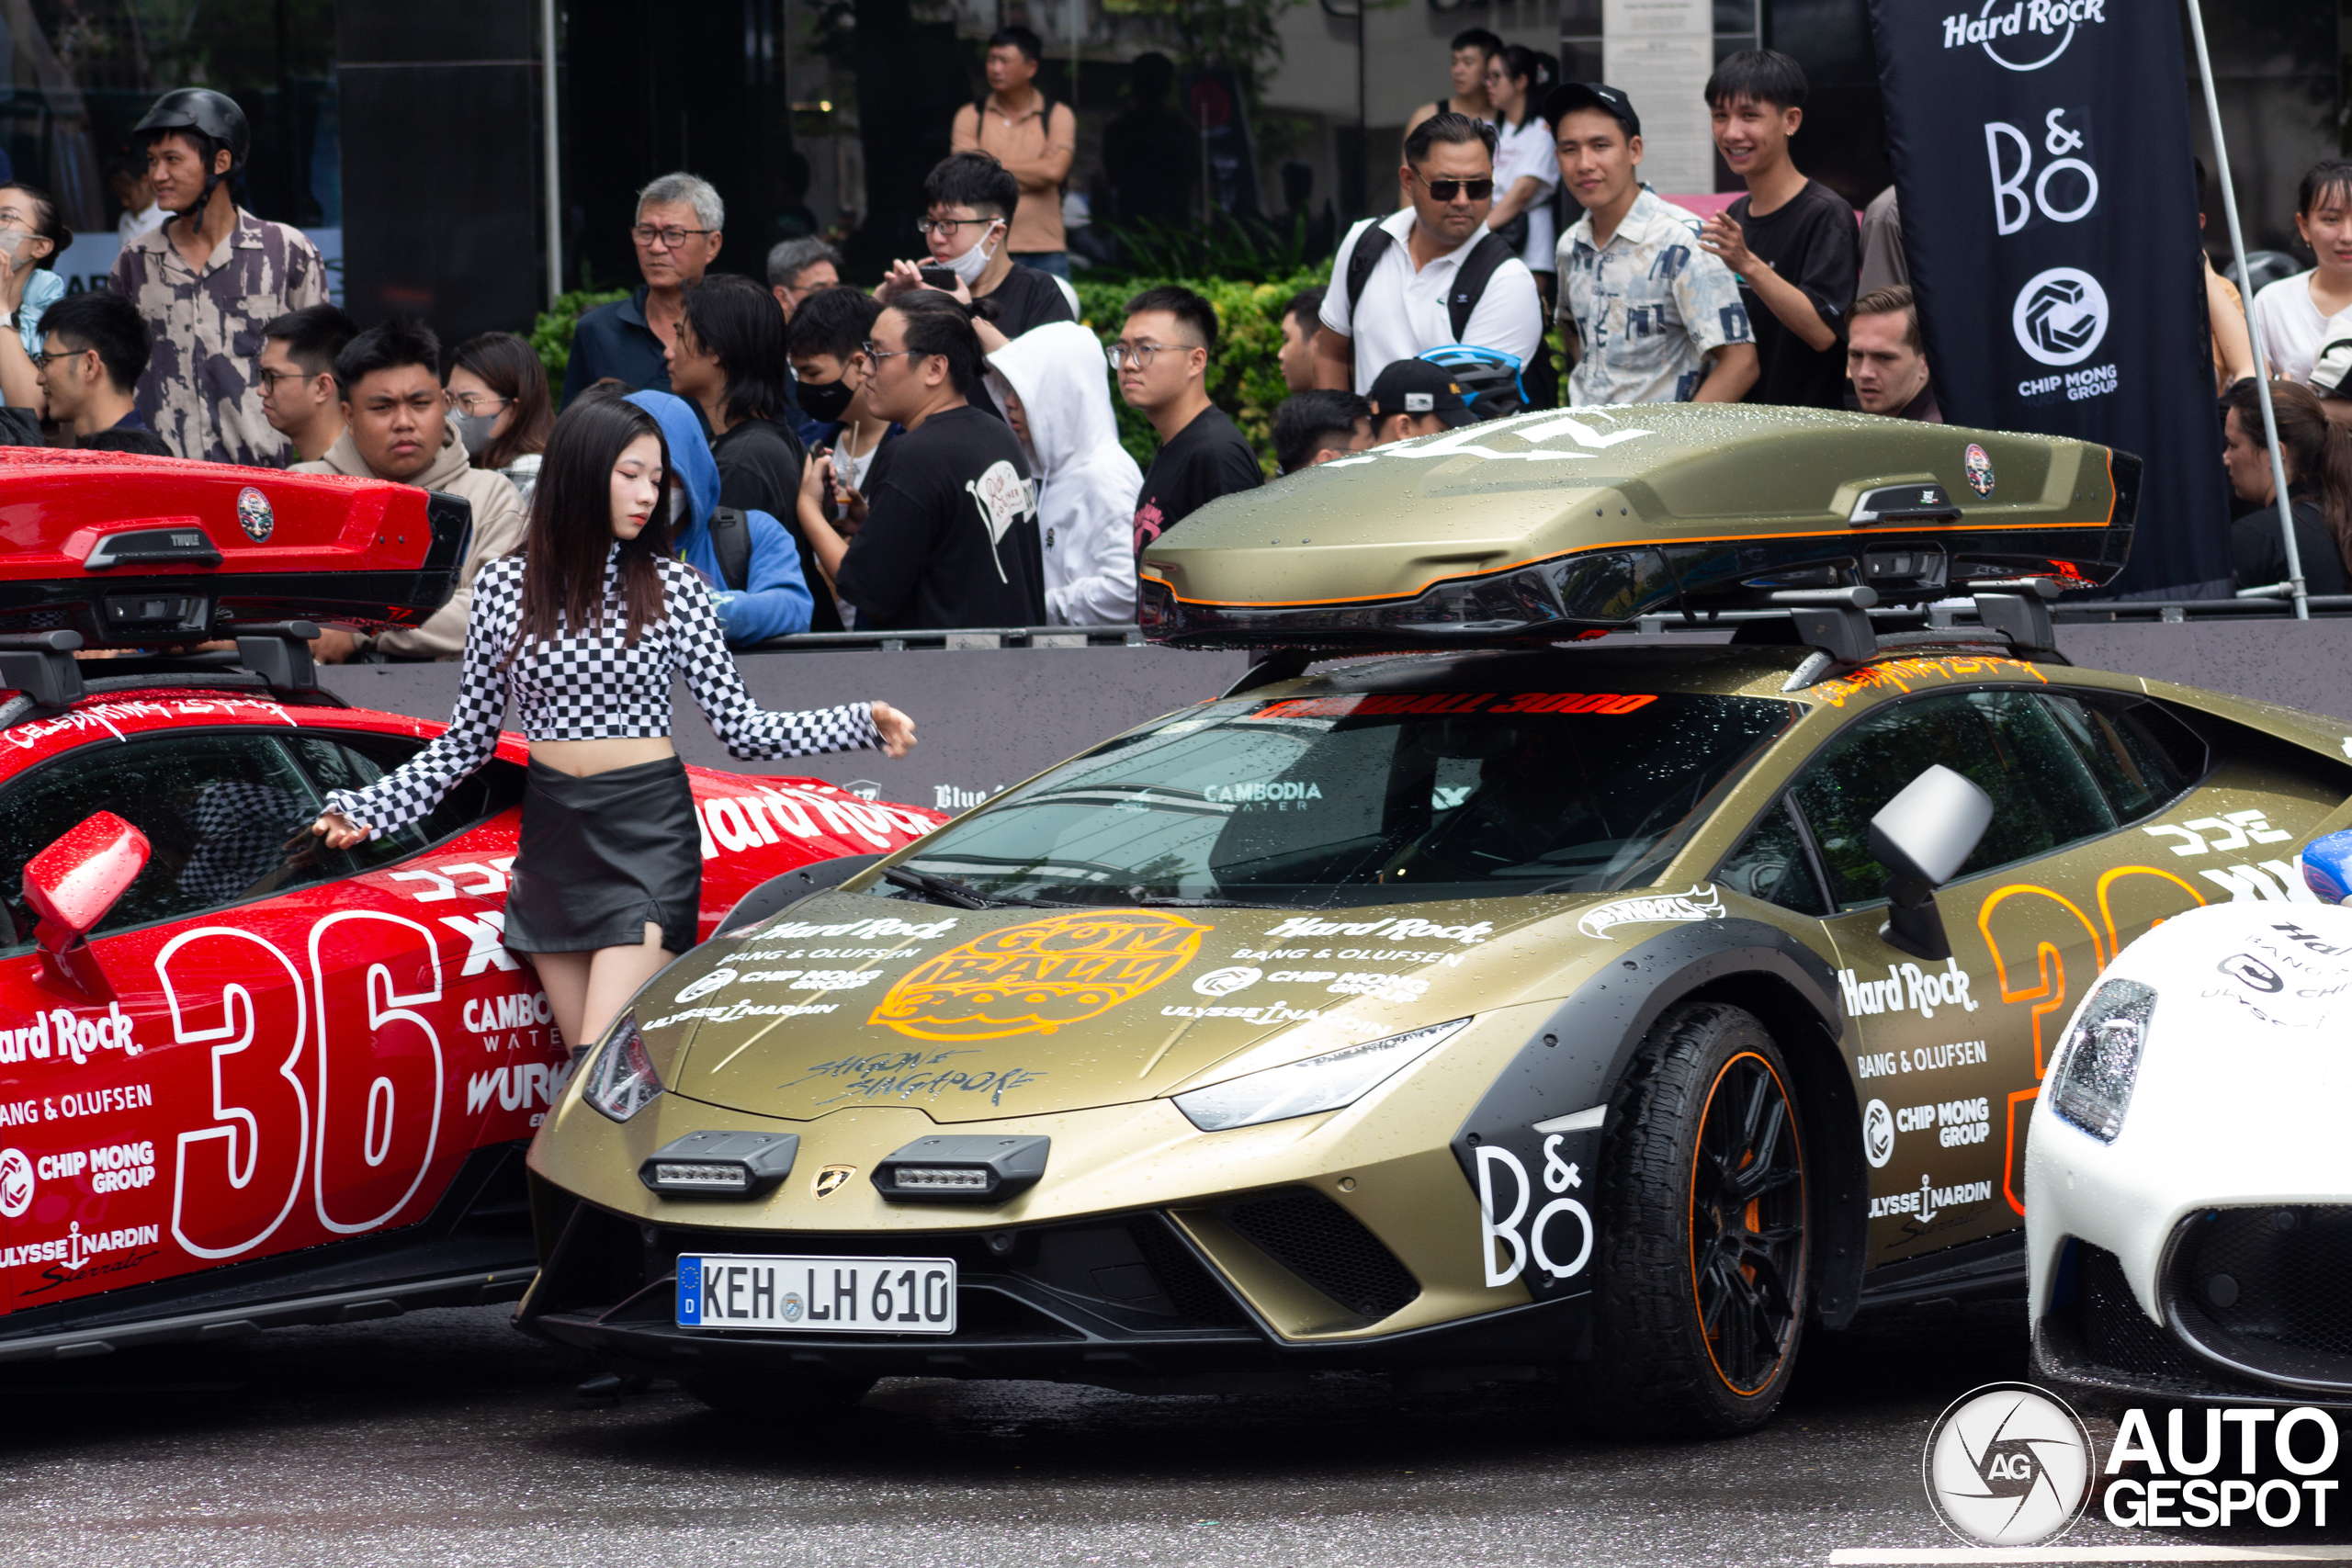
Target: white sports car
(2189, 1204)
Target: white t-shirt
(1521, 150)
(1404, 311)
(2293, 331)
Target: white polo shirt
(1403, 312)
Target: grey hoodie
(498, 531)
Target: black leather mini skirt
(601, 856)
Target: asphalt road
(447, 1437)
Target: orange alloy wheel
(1746, 1223)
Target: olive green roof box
(1548, 523)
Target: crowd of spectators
(942, 450)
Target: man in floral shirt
(1658, 319)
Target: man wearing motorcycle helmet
(208, 282)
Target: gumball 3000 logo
(2061, 315)
(2007, 1465)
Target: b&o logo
(2061, 315)
(1878, 1134)
(2007, 1464)
(15, 1183)
(1225, 982)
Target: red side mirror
(73, 884)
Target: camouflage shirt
(200, 393)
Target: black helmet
(204, 111)
(212, 117)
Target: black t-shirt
(2258, 556)
(1205, 459)
(1027, 297)
(759, 470)
(1811, 241)
(950, 538)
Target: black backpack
(1470, 283)
(731, 539)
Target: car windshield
(1361, 797)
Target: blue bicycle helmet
(1488, 377)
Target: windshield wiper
(1162, 901)
(961, 895)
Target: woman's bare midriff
(584, 759)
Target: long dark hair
(736, 322)
(508, 367)
(571, 528)
(2318, 454)
(1522, 64)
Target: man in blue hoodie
(772, 598)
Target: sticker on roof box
(254, 515)
(1374, 704)
(1977, 463)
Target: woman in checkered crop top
(583, 631)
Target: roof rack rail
(273, 657)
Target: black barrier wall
(992, 717)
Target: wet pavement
(446, 1437)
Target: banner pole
(2261, 357)
(553, 139)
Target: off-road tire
(1655, 1370)
(754, 1395)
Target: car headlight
(2099, 1059)
(1320, 1083)
(621, 1080)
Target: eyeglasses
(270, 378)
(473, 402)
(880, 354)
(646, 233)
(1446, 191)
(45, 360)
(927, 227)
(1121, 354)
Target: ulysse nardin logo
(2023, 35)
(832, 1178)
(2007, 1465)
(2060, 315)
(254, 514)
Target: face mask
(11, 242)
(474, 430)
(677, 506)
(826, 401)
(973, 262)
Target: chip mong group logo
(2007, 1464)
(2061, 315)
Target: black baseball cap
(1416, 387)
(1570, 97)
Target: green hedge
(1245, 378)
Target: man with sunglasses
(678, 235)
(969, 202)
(1427, 275)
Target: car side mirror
(72, 885)
(1923, 837)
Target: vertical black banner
(2043, 155)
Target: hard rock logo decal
(1034, 977)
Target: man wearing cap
(1412, 398)
(1659, 318)
(208, 282)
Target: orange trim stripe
(1616, 545)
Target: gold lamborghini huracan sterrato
(1500, 1001)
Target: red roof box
(145, 552)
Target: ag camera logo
(2007, 1464)
(2061, 315)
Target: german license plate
(820, 1295)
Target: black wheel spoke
(1746, 1223)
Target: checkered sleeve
(410, 793)
(747, 728)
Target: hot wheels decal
(1034, 977)
(1703, 902)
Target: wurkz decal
(1038, 977)
(1908, 986)
(1702, 903)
